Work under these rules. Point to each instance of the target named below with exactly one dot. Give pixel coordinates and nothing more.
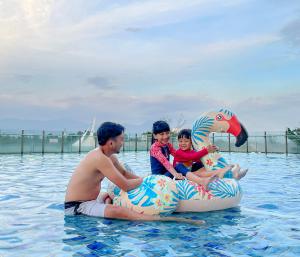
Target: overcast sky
(139, 61)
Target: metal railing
(63, 142)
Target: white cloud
(257, 114)
(147, 14)
(39, 22)
(291, 32)
(39, 40)
(59, 49)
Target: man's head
(112, 135)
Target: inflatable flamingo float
(160, 194)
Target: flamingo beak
(242, 137)
(238, 130)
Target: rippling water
(32, 221)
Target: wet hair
(159, 127)
(108, 130)
(185, 133)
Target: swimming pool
(32, 221)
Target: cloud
(273, 113)
(133, 29)
(38, 22)
(23, 78)
(257, 114)
(100, 82)
(56, 54)
(49, 43)
(147, 14)
(291, 32)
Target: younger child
(187, 161)
(161, 150)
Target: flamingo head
(227, 122)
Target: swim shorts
(181, 168)
(94, 208)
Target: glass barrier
(46, 142)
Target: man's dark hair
(184, 133)
(108, 130)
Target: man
(82, 196)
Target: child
(160, 155)
(187, 161)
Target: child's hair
(159, 127)
(185, 133)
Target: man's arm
(121, 168)
(108, 169)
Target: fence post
(229, 147)
(79, 143)
(247, 145)
(286, 142)
(22, 141)
(213, 138)
(136, 139)
(43, 142)
(62, 141)
(96, 139)
(147, 142)
(266, 147)
(124, 143)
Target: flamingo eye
(219, 117)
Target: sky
(135, 62)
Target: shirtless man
(85, 184)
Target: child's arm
(183, 156)
(193, 155)
(156, 153)
(172, 149)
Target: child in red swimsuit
(187, 161)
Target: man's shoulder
(96, 154)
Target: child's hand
(212, 148)
(178, 176)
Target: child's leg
(219, 172)
(201, 181)
(237, 173)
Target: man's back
(85, 182)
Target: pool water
(32, 221)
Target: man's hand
(212, 148)
(135, 182)
(178, 176)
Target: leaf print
(185, 190)
(145, 190)
(201, 128)
(221, 189)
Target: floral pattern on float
(220, 188)
(157, 194)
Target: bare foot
(227, 168)
(242, 174)
(208, 180)
(236, 171)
